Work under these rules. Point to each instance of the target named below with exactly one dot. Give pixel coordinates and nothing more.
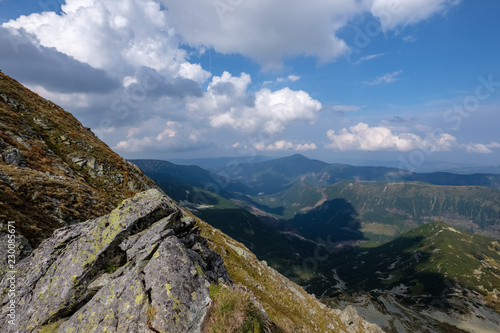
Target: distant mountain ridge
(387, 201)
(191, 175)
(282, 172)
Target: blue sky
(414, 81)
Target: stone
(13, 156)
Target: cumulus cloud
(386, 78)
(113, 35)
(365, 138)
(300, 29)
(123, 65)
(228, 103)
(284, 145)
(230, 27)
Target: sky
(412, 81)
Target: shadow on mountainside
(334, 221)
(400, 264)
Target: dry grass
(232, 311)
(52, 191)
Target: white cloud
(172, 136)
(386, 78)
(365, 138)
(114, 35)
(480, 148)
(369, 57)
(227, 103)
(272, 112)
(393, 14)
(134, 145)
(343, 108)
(263, 30)
(283, 145)
(140, 46)
(289, 78)
(169, 131)
(267, 32)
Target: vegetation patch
(232, 310)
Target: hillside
(384, 210)
(431, 273)
(402, 206)
(51, 160)
(85, 273)
(190, 175)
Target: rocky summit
(142, 268)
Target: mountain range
(329, 227)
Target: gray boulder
(142, 268)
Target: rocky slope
(147, 266)
(111, 273)
(49, 159)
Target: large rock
(142, 268)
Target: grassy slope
(407, 205)
(290, 307)
(59, 191)
(389, 209)
(424, 259)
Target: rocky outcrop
(142, 268)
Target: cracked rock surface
(142, 268)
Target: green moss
(199, 271)
(151, 313)
(169, 288)
(111, 269)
